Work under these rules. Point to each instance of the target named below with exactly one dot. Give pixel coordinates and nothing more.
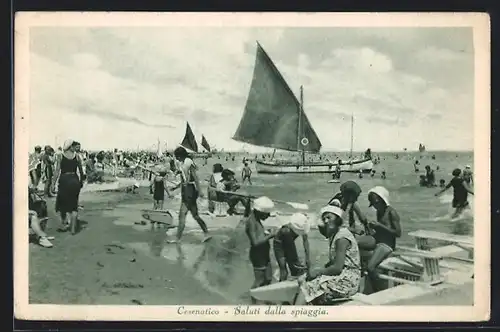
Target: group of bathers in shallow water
(355, 246)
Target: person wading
(461, 190)
(190, 191)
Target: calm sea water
(417, 206)
(222, 266)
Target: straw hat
(263, 204)
(299, 223)
(380, 192)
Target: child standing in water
(159, 187)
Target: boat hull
(264, 167)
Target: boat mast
(301, 133)
(352, 133)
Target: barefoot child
(159, 187)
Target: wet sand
(97, 266)
(115, 260)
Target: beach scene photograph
(256, 167)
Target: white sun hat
(299, 223)
(263, 204)
(332, 209)
(382, 193)
(67, 144)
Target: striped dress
(324, 289)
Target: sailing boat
(274, 118)
(189, 143)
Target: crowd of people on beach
(357, 246)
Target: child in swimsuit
(259, 241)
(246, 172)
(159, 189)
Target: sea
(417, 206)
(222, 264)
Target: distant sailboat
(421, 147)
(274, 118)
(189, 141)
(204, 143)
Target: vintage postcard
(252, 167)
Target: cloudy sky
(126, 87)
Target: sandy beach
(96, 266)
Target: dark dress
(460, 194)
(69, 186)
(159, 189)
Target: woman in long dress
(341, 276)
(69, 185)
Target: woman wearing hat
(386, 229)
(341, 276)
(285, 250)
(69, 184)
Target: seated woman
(37, 209)
(231, 184)
(285, 250)
(213, 185)
(386, 229)
(341, 276)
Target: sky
(127, 87)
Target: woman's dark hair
(218, 168)
(75, 143)
(226, 173)
(180, 153)
(456, 172)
